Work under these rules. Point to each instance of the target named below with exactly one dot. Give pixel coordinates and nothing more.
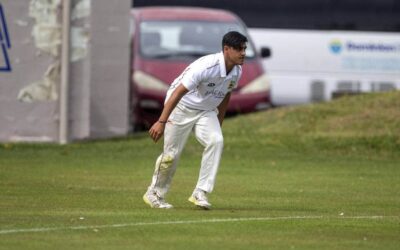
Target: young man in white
(196, 101)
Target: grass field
(323, 176)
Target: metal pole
(64, 88)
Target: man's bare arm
(157, 130)
(222, 107)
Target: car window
(164, 39)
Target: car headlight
(260, 84)
(146, 81)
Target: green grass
(316, 175)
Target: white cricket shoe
(199, 198)
(155, 201)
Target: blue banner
(5, 43)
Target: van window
(170, 39)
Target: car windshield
(171, 39)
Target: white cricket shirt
(207, 82)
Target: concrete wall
(30, 63)
(110, 67)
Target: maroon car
(165, 40)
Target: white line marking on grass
(49, 229)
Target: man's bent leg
(208, 133)
(175, 137)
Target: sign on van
(367, 55)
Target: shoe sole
(194, 201)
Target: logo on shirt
(211, 84)
(216, 94)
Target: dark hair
(234, 39)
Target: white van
(307, 66)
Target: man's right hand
(157, 130)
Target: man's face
(236, 55)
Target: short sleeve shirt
(207, 82)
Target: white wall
(99, 69)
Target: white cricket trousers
(206, 127)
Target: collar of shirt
(222, 66)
